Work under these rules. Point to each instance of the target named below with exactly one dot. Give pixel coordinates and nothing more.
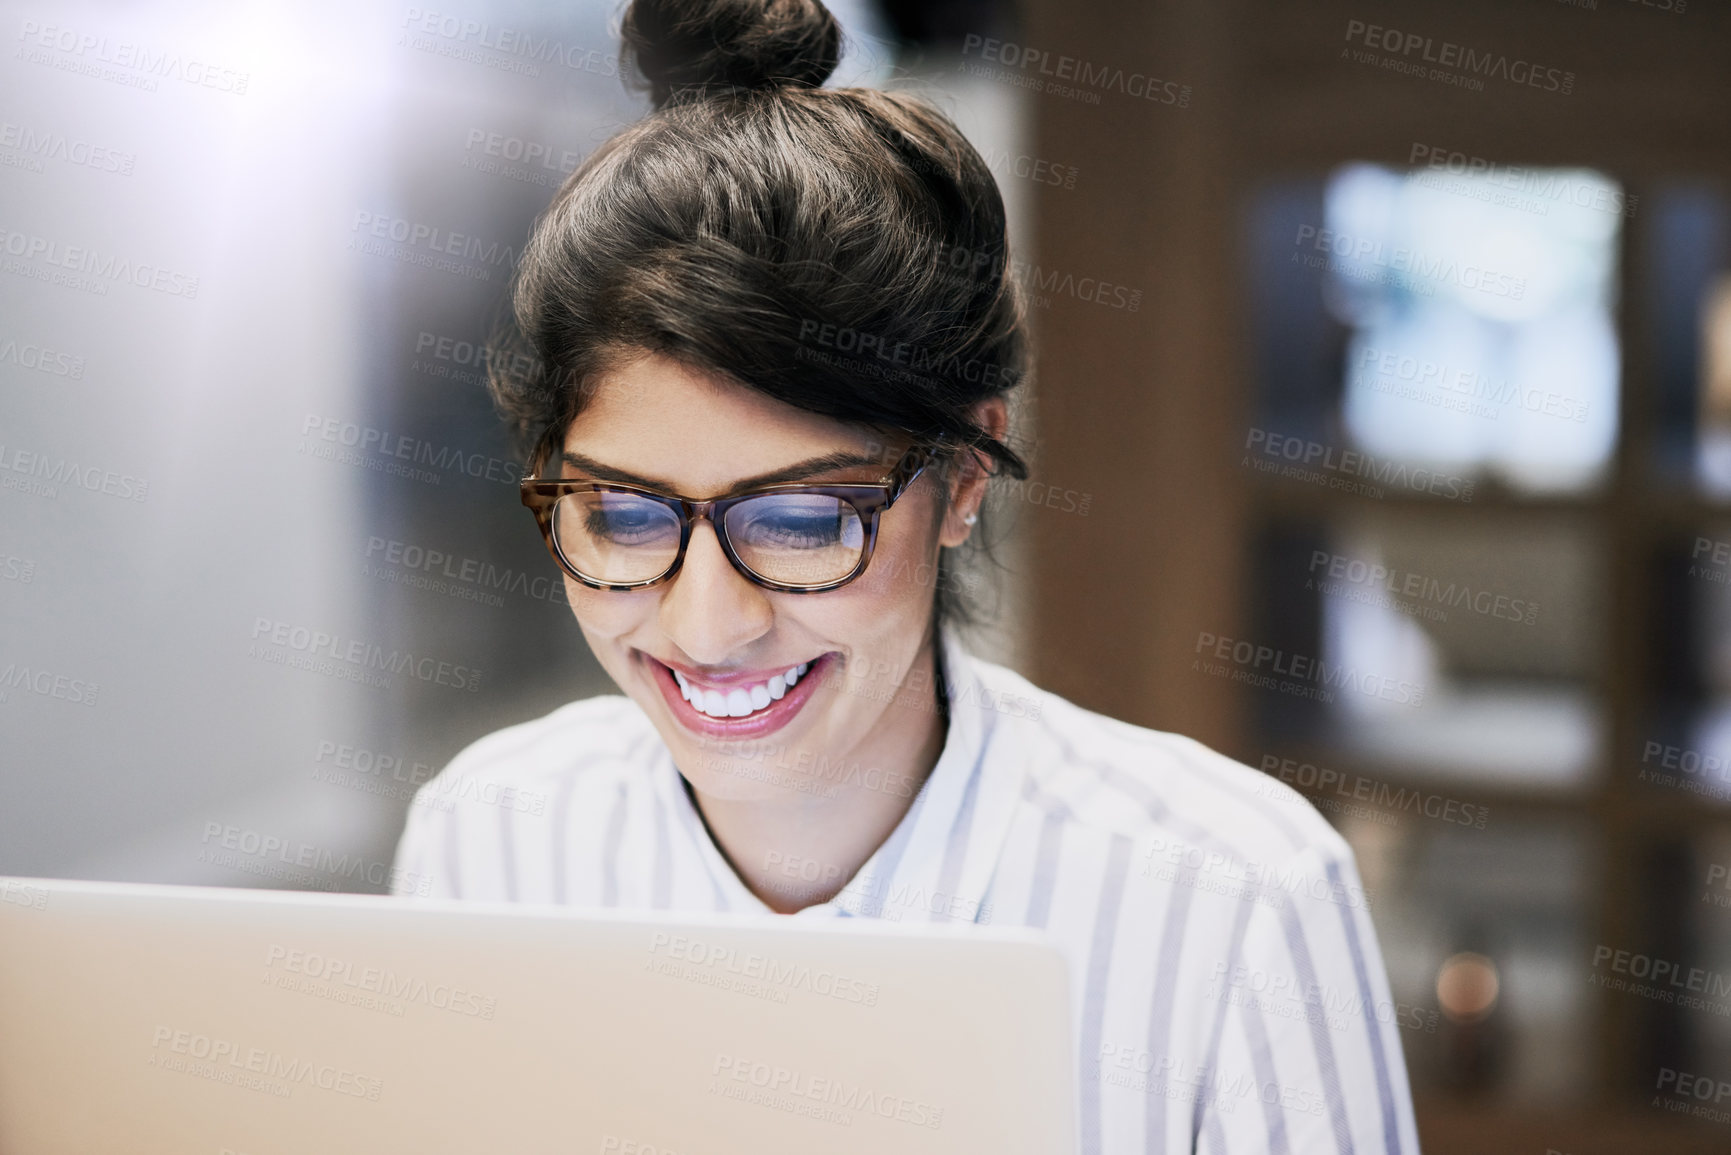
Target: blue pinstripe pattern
(1319, 1040)
(1372, 1026)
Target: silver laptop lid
(192, 1019)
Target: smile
(739, 706)
(741, 702)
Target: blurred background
(1382, 439)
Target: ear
(968, 485)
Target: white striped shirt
(1229, 992)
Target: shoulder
(591, 736)
(505, 795)
(1152, 786)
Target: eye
(624, 519)
(794, 522)
(797, 531)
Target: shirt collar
(937, 863)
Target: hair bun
(695, 45)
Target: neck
(799, 849)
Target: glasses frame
(868, 499)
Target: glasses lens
(616, 538)
(800, 539)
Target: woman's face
(656, 423)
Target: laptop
(217, 1021)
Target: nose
(709, 610)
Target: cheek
(606, 613)
(897, 586)
(902, 576)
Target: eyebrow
(798, 471)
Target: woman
(778, 330)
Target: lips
(738, 706)
(738, 701)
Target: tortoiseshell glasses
(796, 538)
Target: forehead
(658, 418)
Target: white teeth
(738, 703)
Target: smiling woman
(777, 326)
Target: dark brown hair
(843, 250)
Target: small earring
(970, 519)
